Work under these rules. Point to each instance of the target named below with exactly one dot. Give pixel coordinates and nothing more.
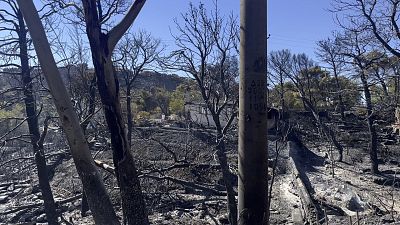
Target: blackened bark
(281, 81)
(91, 103)
(333, 139)
(99, 202)
(84, 204)
(373, 151)
(384, 87)
(133, 205)
(338, 88)
(309, 89)
(227, 177)
(341, 107)
(84, 125)
(327, 130)
(396, 89)
(129, 114)
(33, 126)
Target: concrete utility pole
(253, 155)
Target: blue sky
(157, 16)
(293, 24)
(299, 24)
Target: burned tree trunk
(227, 176)
(99, 202)
(102, 45)
(282, 94)
(215, 73)
(373, 151)
(33, 125)
(338, 88)
(326, 129)
(129, 114)
(132, 199)
(84, 125)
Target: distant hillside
(148, 80)
(145, 81)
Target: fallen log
(309, 212)
(186, 184)
(6, 184)
(105, 166)
(19, 208)
(35, 205)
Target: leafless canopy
(207, 50)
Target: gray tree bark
(98, 199)
(102, 46)
(33, 124)
(373, 151)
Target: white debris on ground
(353, 189)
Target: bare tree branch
(116, 33)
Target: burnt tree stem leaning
(212, 38)
(129, 114)
(227, 176)
(33, 125)
(98, 199)
(340, 97)
(373, 152)
(84, 125)
(102, 46)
